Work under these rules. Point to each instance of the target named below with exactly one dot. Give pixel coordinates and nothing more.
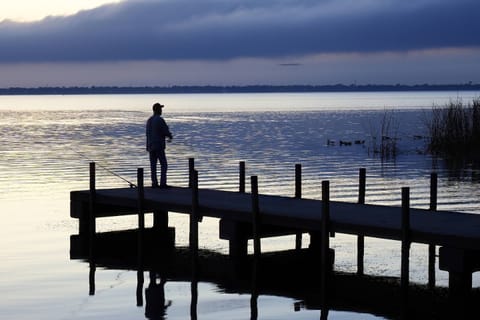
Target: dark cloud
(218, 29)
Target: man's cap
(157, 106)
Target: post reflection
(91, 278)
(140, 281)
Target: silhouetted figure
(156, 308)
(156, 132)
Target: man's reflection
(155, 298)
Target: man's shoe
(154, 186)
(165, 186)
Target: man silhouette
(156, 131)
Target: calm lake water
(47, 143)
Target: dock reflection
(156, 305)
(292, 274)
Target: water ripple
(49, 151)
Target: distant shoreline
(235, 89)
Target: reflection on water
(156, 305)
(294, 274)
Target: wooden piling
(91, 216)
(140, 235)
(360, 238)
(298, 181)
(241, 177)
(298, 195)
(405, 259)
(255, 217)
(194, 216)
(160, 220)
(91, 230)
(191, 168)
(141, 199)
(193, 239)
(194, 242)
(256, 247)
(325, 242)
(141, 230)
(432, 247)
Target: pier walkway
(444, 228)
(242, 214)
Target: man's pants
(155, 156)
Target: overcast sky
(239, 42)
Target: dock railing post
(325, 243)
(255, 217)
(141, 199)
(92, 199)
(194, 242)
(191, 168)
(92, 229)
(241, 177)
(140, 235)
(405, 223)
(194, 218)
(432, 247)
(298, 195)
(360, 238)
(256, 246)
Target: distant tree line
(235, 89)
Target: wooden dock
(457, 234)
(444, 228)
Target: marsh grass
(384, 136)
(455, 129)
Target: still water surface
(48, 141)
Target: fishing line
(132, 185)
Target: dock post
(191, 168)
(236, 232)
(325, 243)
(405, 259)
(256, 247)
(92, 199)
(194, 217)
(361, 238)
(255, 217)
(141, 198)
(194, 241)
(160, 220)
(140, 235)
(241, 177)
(432, 247)
(160, 217)
(91, 229)
(298, 195)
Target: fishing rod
(131, 184)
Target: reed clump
(455, 129)
(384, 134)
